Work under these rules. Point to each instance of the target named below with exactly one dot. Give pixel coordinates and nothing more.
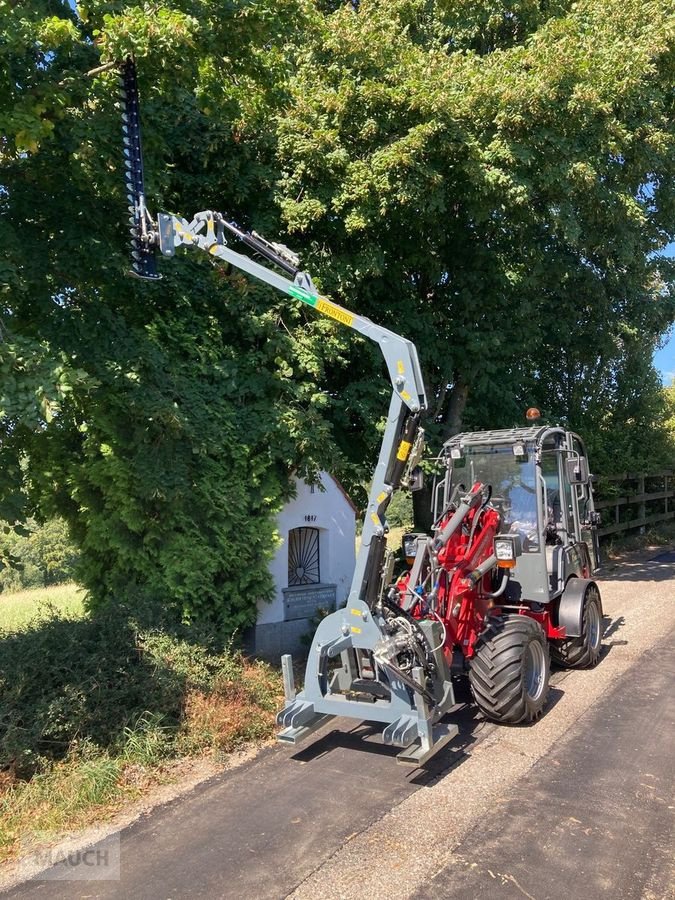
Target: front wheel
(510, 670)
(582, 652)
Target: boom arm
(403, 441)
(391, 668)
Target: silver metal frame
(353, 634)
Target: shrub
(125, 685)
(400, 510)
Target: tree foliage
(160, 421)
(43, 555)
(497, 180)
(494, 180)
(669, 397)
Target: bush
(400, 510)
(110, 677)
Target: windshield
(513, 487)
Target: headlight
(503, 549)
(409, 545)
(507, 548)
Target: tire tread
(495, 673)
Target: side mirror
(577, 470)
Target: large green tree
(497, 180)
(162, 421)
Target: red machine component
(463, 595)
(460, 596)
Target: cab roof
(533, 434)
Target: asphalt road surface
(579, 805)
(594, 817)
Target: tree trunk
(422, 512)
(458, 397)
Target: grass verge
(95, 710)
(18, 609)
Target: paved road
(260, 829)
(342, 819)
(594, 817)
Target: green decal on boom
(301, 294)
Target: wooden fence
(632, 501)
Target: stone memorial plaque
(302, 601)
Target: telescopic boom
(212, 233)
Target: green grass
(394, 537)
(18, 609)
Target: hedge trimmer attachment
(143, 262)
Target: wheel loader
(501, 586)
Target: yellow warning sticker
(355, 612)
(335, 312)
(375, 519)
(381, 497)
(403, 450)
(355, 630)
(400, 368)
(405, 395)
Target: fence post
(636, 500)
(642, 507)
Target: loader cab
(540, 484)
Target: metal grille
(303, 556)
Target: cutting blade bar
(143, 261)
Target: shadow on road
(655, 569)
(612, 626)
(366, 737)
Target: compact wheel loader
(502, 585)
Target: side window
(556, 501)
(303, 556)
(582, 490)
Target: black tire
(510, 671)
(582, 652)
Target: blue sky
(664, 359)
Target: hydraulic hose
(502, 587)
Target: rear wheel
(510, 670)
(582, 652)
